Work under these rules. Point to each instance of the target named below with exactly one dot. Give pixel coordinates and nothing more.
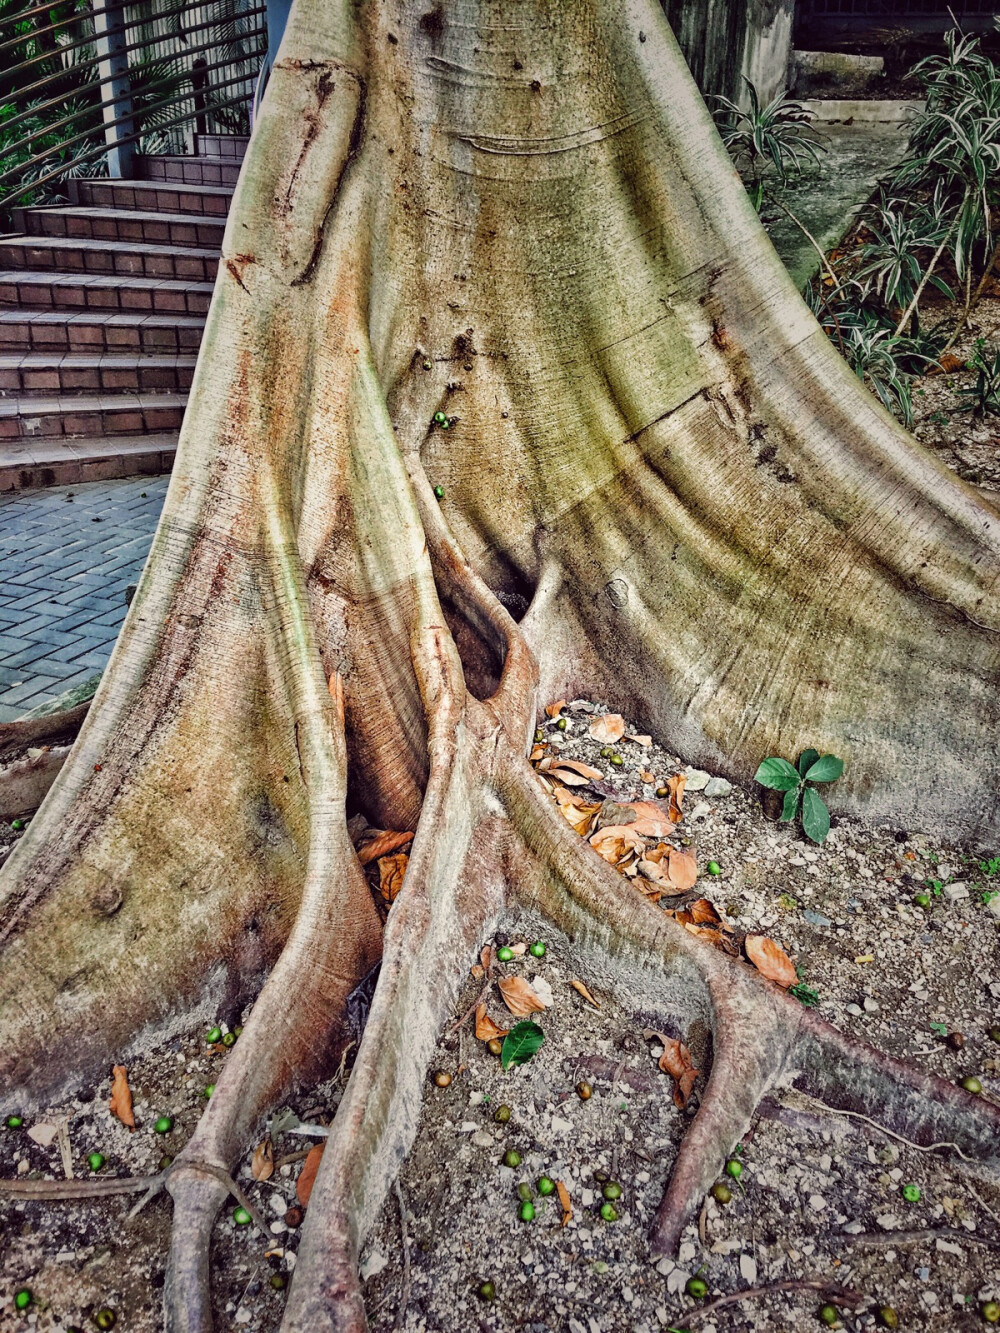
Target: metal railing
(86, 84)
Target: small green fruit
(229, 1039)
(612, 1190)
(427, 363)
(911, 1193)
(888, 1317)
(512, 1158)
(95, 1161)
(584, 1091)
(734, 1169)
(828, 1314)
(991, 1312)
(617, 760)
(487, 1292)
(537, 950)
(14, 1121)
(922, 899)
(539, 736)
(209, 1089)
(562, 724)
(439, 492)
(278, 1281)
(439, 418)
(164, 1125)
(213, 1036)
(662, 792)
(164, 1162)
(237, 1031)
(525, 1192)
(504, 955)
(606, 752)
(105, 1318)
(502, 1114)
(609, 1212)
(721, 1193)
(526, 1212)
(23, 1299)
(972, 1084)
(241, 1217)
(546, 1186)
(17, 825)
(995, 1034)
(714, 868)
(495, 1046)
(697, 1287)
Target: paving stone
(64, 579)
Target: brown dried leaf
(553, 710)
(644, 741)
(537, 752)
(651, 820)
(476, 972)
(519, 997)
(581, 989)
(262, 1166)
(575, 766)
(567, 1208)
(519, 949)
(391, 871)
(381, 844)
(709, 933)
(703, 911)
(675, 1061)
(608, 728)
(307, 1176)
(646, 775)
(770, 960)
(121, 1096)
(682, 869)
(486, 957)
(486, 1029)
(614, 843)
(675, 788)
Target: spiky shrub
(771, 139)
(983, 397)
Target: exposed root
(839, 1295)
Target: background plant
(767, 140)
(984, 395)
(800, 794)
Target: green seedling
(806, 995)
(801, 796)
(990, 867)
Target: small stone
(748, 1268)
(561, 1126)
(817, 1203)
(855, 1010)
(956, 892)
(816, 918)
(373, 1265)
(697, 779)
(482, 1139)
(718, 787)
(872, 1006)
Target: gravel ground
(820, 1195)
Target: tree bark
(516, 214)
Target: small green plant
(984, 396)
(807, 995)
(800, 795)
(988, 895)
(990, 867)
(774, 138)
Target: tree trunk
(517, 214)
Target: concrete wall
(725, 40)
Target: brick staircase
(102, 308)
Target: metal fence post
(116, 90)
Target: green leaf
(815, 815)
(790, 805)
(521, 1043)
(778, 774)
(940, 1028)
(806, 760)
(827, 768)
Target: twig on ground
(887, 1239)
(77, 1189)
(404, 1295)
(841, 1295)
(856, 1115)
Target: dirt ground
(820, 1195)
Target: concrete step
(151, 196)
(229, 146)
(95, 416)
(125, 258)
(122, 224)
(44, 374)
(27, 464)
(189, 170)
(97, 331)
(78, 292)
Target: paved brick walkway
(64, 566)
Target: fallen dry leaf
(770, 960)
(121, 1096)
(644, 741)
(581, 989)
(486, 957)
(519, 949)
(646, 775)
(608, 728)
(682, 869)
(486, 1029)
(675, 1061)
(307, 1176)
(675, 791)
(262, 1166)
(702, 912)
(567, 1209)
(650, 820)
(384, 842)
(537, 752)
(391, 871)
(553, 710)
(558, 767)
(476, 971)
(616, 842)
(519, 997)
